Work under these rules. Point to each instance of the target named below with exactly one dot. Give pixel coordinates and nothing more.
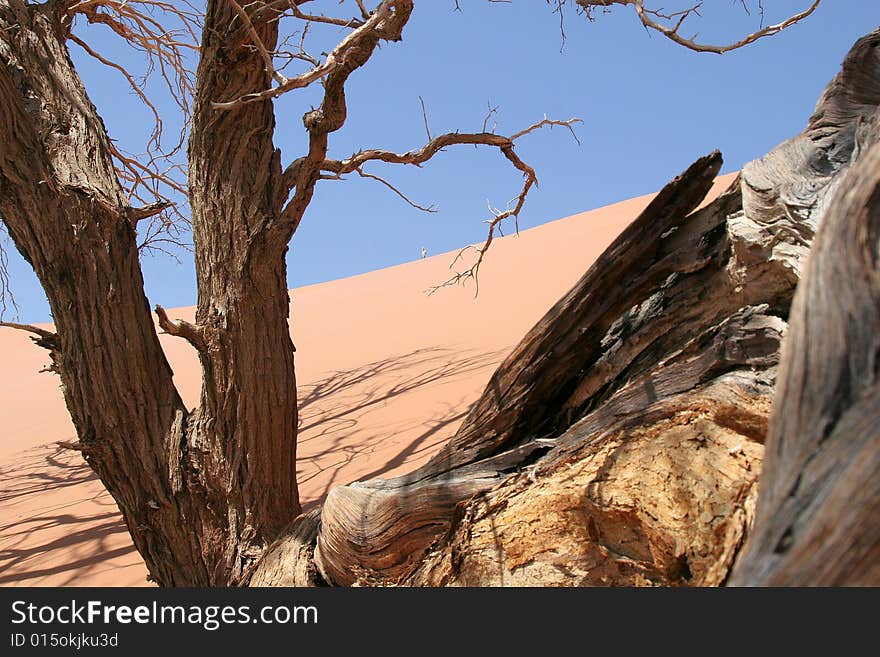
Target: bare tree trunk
(246, 423)
(201, 494)
(65, 210)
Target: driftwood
(656, 316)
(621, 441)
(819, 511)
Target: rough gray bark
(818, 512)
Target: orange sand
(386, 374)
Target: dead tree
(204, 491)
(621, 441)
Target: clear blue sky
(649, 109)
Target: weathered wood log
(289, 560)
(590, 345)
(622, 439)
(623, 500)
(378, 531)
(819, 512)
(665, 501)
(531, 385)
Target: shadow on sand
(61, 524)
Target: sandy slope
(386, 374)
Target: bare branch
(164, 235)
(165, 33)
(30, 328)
(42, 338)
(425, 118)
(137, 214)
(385, 22)
(258, 42)
(364, 174)
(157, 119)
(418, 157)
(492, 111)
(651, 19)
(182, 329)
(429, 150)
(74, 446)
(364, 13)
(5, 289)
(320, 18)
(548, 122)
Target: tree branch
(137, 214)
(182, 329)
(6, 294)
(49, 336)
(165, 33)
(418, 157)
(258, 42)
(48, 340)
(386, 22)
(429, 150)
(674, 35)
(380, 179)
(649, 18)
(329, 20)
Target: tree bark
(245, 426)
(67, 214)
(202, 494)
(820, 495)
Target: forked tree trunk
(202, 494)
(619, 443)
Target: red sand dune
(386, 374)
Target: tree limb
(649, 18)
(182, 329)
(386, 22)
(46, 339)
(434, 146)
